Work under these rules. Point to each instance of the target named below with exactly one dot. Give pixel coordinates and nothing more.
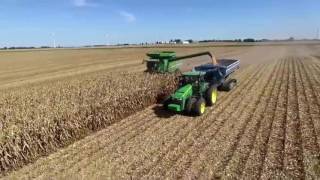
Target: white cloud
(83, 3)
(129, 17)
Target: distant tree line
(31, 47)
(27, 47)
(249, 40)
(230, 40)
(172, 41)
(180, 41)
(215, 40)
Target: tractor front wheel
(200, 107)
(190, 105)
(166, 102)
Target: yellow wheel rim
(214, 96)
(202, 108)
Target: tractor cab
(193, 77)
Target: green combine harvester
(197, 88)
(168, 62)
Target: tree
(178, 41)
(190, 41)
(291, 39)
(249, 40)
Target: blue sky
(84, 22)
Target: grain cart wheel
(230, 84)
(190, 104)
(200, 107)
(211, 96)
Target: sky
(87, 22)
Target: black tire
(232, 85)
(210, 101)
(190, 105)
(228, 85)
(166, 102)
(199, 105)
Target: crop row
(39, 119)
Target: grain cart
(199, 88)
(168, 62)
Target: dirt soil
(267, 127)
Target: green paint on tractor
(179, 98)
(175, 107)
(183, 92)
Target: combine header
(197, 88)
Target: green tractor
(199, 88)
(193, 94)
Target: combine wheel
(211, 96)
(200, 107)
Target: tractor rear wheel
(200, 107)
(211, 96)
